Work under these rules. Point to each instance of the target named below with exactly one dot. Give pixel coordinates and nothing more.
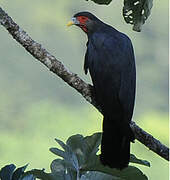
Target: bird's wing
(86, 65)
(123, 55)
(112, 68)
(128, 84)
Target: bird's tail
(115, 146)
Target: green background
(36, 106)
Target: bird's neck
(96, 27)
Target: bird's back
(110, 60)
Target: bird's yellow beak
(73, 21)
(70, 23)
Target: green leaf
(61, 171)
(58, 152)
(84, 147)
(101, 1)
(134, 159)
(19, 172)
(128, 173)
(92, 143)
(79, 157)
(77, 145)
(68, 155)
(97, 176)
(28, 177)
(40, 174)
(77, 151)
(62, 144)
(7, 171)
(136, 12)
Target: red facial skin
(82, 20)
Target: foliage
(102, 1)
(134, 11)
(8, 173)
(79, 161)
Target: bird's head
(86, 21)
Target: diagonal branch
(42, 55)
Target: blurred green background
(36, 106)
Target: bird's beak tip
(70, 23)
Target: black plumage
(111, 63)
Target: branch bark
(42, 55)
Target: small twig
(42, 55)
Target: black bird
(111, 63)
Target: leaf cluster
(78, 161)
(9, 172)
(135, 12)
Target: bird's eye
(82, 19)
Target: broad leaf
(77, 145)
(58, 152)
(7, 172)
(62, 144)
(79, 157)
(92, 175)
(68, 155)
(28, 177)
(19, 172)
(84, 147)
(61, 171)
(101, 1)
(92, 143)
(40, 174)
(134, 159)
(136, 12)
(128, 173)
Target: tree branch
(42, 55)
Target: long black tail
(115, 146)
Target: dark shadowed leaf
(7, 171)
(58, 152)
(60, 170)
(136, 12)
(101, 1)
(134, 159)
(36, 173)
(92, 143)
(19, 172)
(77, 145)
(28, 177)
(62, 144)
(98, 176)
(68, 155)
(80, 159)
(128, 173)
(84, 147)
